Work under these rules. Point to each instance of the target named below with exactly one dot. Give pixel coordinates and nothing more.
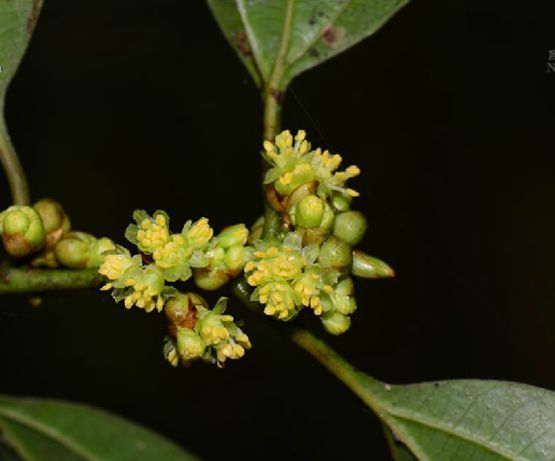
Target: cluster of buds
(143, 280)
(43, 232)
(307, 263)
(197, 332)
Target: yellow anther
(268, 146)
(300, 136)
(352, 193)
(353, 171)
(284, 139)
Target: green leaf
(49, 430)
(279, 39)
(17, 21)
(466, 419)
(399, 451)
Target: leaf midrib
(47, 431)
(462, 435)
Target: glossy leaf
(49, 430)
(279, 39)
(466, 420)
(17, 21)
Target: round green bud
(233, 235)
(345, 287)
(22, 231)
(309, 212)
(80, 250)
(368, 267)
(98, 250)
(301, 192)
(350, 226)
(210, 279)
(345, 305)
(335, 253)
(341, 202)
(190, 345)
(336, 323)
(55, 220)
(73, 250)
(178, 309)
(236, 257)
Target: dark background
(448, 110)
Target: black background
(449, 112)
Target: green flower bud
(336, 323)
(335, 253)
(55, 220)
(328, 219)
(309, 212)
(210, 279)
(341, 202)
(301, 192)
(368, 267)
(232, 236)
(79, 250)
(22, 231)
(350, 226)
(181, 309)
(345, 305)
(236, 257)
(190, 345)
(345, 287)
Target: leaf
(49, 430)
(465, 420)
(279, 39)
(17, 21)
(461, 420)
(399, 451)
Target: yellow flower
(115, 265)
(273, 263)
(279, 300)
(153, 233)
(172, 253)
(200, 234)
(309, 289)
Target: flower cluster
(43, 232)
(173, 254)
(132, 281)
(142, 280)
(288, 277)
(197, 332)
(294, 163)
(306, 261)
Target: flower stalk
(12, 167)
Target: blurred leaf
(17, 21)
(279, 39)
(465, 420)
(399, 452)
(48, 430)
